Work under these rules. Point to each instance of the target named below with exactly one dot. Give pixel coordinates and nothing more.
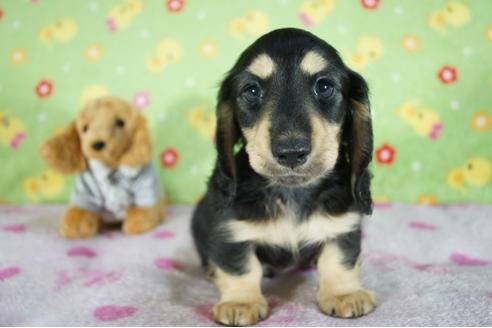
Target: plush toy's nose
(98, 145)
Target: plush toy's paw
(351, 305)
(240, 314)
(139, 219)
(78, 223)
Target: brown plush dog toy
(109, 145)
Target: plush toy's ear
(63, 151)
(140, 148)
(226, 136)
(361, 142)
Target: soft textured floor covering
(427, 266)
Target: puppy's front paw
(239, 314)
(351, 305)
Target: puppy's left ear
(140, 149)
(361, 142)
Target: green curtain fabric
(428, 64)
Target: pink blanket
(427, 266)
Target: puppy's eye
(324, 89)
(119, 123)
(252, 93)
(85, 128)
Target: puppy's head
(107, 129)
(293, 102)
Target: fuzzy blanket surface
(427, 266)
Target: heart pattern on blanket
(163, 234)
(9, 272)
(464, 260)
(419, 225)
(81, 251)
(114, 312)
(14, 228)
(168, 264)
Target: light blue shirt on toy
(111, 192)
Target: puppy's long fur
(291, 183)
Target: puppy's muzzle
(291, 153)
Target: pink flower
(44, 88)
(370, 4)
(169, 158)
(141, 99)
(447, 74)
(385, 154)
(174, 6)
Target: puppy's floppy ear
(140, 148)
(63, 151)
(361, 141)
(226, 136)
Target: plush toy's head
(107, 129)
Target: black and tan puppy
(291, 184)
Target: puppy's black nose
(98, 145)
(292, 153)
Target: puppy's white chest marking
(285, 231)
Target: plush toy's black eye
(119, 122)
(324, 89)
(85, 128)
(252, 93)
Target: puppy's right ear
(63, 151)
(226, 136)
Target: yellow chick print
(203, 121)
(252, 23)
(48, 184)
(368, 49)
(12, 131)
(423, 120)
(315, 11)
(454, 13)
(168, 51)
(120, 16)
(426, 199)
(62, 31)
(476, 172)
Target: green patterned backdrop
(428, 63)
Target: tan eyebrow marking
(262, 66)
(313, 63)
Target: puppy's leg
(340, 292)
(241, 301)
